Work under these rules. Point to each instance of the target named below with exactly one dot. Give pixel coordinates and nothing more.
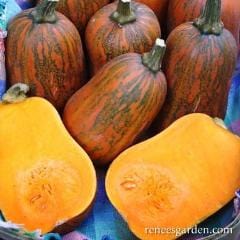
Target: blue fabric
(2, 87)
(24, 4)
(52, 236)
(104, 223)
(233, 112)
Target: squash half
(47, 179)
(176, 179)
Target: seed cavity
(40, 188)
(150, 187)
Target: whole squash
(44, 50)
(176, 179)
(47, 180)
(181, 11)
(118, 28)
(199, 63)
(117, 104)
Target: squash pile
(100, 80)
(118, 28)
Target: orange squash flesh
(46, 178)
(177, 178)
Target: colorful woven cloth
(233, 113)
(75, 235)
(12, 9)
(8, 9)
(3, 34)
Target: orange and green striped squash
(44, 50)
(119, 28)
(160, 8)
(199, 63)
(181, 11)
(117, 104)
(80, 11)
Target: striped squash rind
(198, 69)
(49, 57)
(181, 11)
(105, 39)
(114, 107)
(160, 8)
(80, 11)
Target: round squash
(181, 11)
(117, 104)
(198, 68)
(118, 28)
(176, 179)
(44, 50)
(80, 11)
(47, 180)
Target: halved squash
(47, 179)
(176, 179)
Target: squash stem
(16, 93)
(45, 12)
(124, 13)
(210, 20)
(153, 59)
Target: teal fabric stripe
(12, 9)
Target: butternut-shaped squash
(109, 113)
(47, 179)
(44, 50)
(199, 63)
(176, 179)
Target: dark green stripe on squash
(199, 62)
(181, 11)
(116, 105)
(45, 54)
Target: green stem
(210, 20)
(153, 59)
(16, 93)
(124, 13)
(45, 12)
